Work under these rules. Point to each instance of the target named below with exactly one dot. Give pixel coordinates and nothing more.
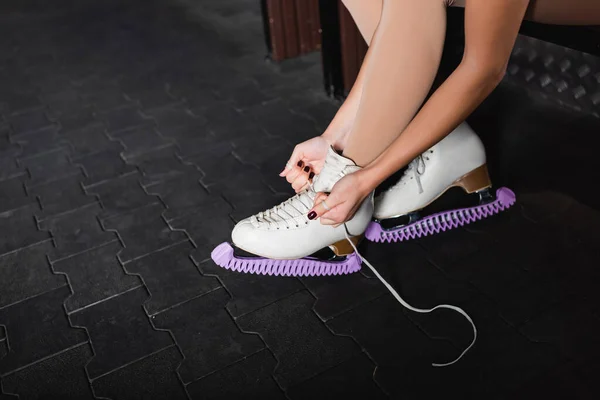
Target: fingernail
(312, 215)
(306, 169)
(300, 163)
(311, 175)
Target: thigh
(560, 12)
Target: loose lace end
(415, 309)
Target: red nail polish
(300, 163)
(312, 215)
(306, 169)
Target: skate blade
(443, 221)
(223, 255)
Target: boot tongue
(335, 164)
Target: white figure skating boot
(430, 196)
(283, 241)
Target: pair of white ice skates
(283, 241)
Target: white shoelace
(289, 212)
(418, 168)
(418, 310)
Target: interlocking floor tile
(448, 250)
(29, 122)
(212, 340)
(41, 141)
(13, 194)
(26, 273)
(19, 103)
(106, 99)
(10, 169)
(153, 377)
(341, 293)
(244, 94)
(378, 327)
(571, 326)
(173, 117)
(162, 165)
(103, 165)
(120, 332)
(195, 226)
(278, 120)
(59, 377)
(138, 141)
(171, 277)
(37, 328)
(143, 231)
(3, 344)
(184, 195)
(247, 379)
(88, 140)
(121, 195)
(564, 382)
(76, 121)
(152, 98)
(22, 225)
(60, 196)
(225, 122)
(124, 118)
(63, 101)
(94, 276)
(195, 140)
(218, 170)
(351, 379)
(299, 340)
(50, 166)
(76, 231)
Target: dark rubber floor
(133, 134)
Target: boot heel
(474, 181)
(343, 248)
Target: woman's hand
(306, 161)
(344, 200)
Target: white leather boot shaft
(285, 232)
(429, 175)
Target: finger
(333, 217)
(327, 221)
(303, 188)
(296, 160)
(319, 198)
(319, 209)
(300, 182)
(294, 173)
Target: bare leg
(405, 59)
(366, 15)
(398, 72)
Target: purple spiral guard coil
(442, 221)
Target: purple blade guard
(224, 257)
(443, 221)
